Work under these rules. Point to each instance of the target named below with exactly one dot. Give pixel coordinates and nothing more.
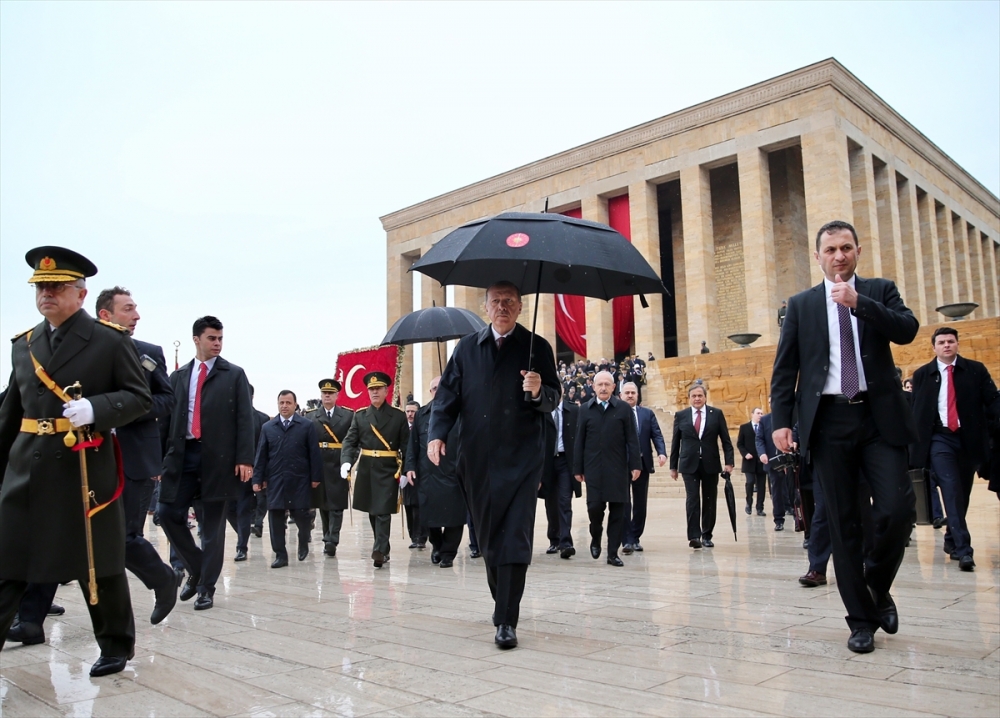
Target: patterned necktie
(286, 422)
(952, 402)
(697, 422)
(196, 414)
(849, 383)
(635, 413)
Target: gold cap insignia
(47, 264)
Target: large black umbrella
(541, 253)
(730, 502)
(434, 324)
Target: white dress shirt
(193, 388)
(943, 394)
(832, 385)
(497, 335)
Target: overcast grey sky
(233, 159)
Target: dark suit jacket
(570, 415)
(803, 355)
(746, 443)
(649, 433)
(142, 455)
(764, 441)
(227, 420)
(607, 450)
(687, 450)
(289, 461)
(976, 396)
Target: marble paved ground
(676, 632)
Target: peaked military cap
(375, 379)
(58, 264)
(329, 385)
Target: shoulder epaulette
(18, 336)
(119, 327)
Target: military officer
(43, 537)
(331, 496)
(377, 442)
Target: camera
(787, 460)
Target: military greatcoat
(42, 532)
(376, 483)
(332, 493)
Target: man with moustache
(501, 394)
(835, 366)
(43, 537)
(331, 497)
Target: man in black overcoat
(558, 485)
(442, 506)
(332, 496)
(502, 439)
(260, 497)
(750, 465)
(289, 465)
(415, 524)
(607, 458)
(209, 453)
(44, 541)
(143, 456)
(694, 451)
(834, 364)
(952, 400)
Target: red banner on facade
(571, 312)
(619, 219)
(352, 367)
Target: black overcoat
(332, 494)
(502, 440)
(142, 454)
(437, 487)
(42, 533)
(227, 431)
(607, 450)
(746, 443)
(376, 478)
(289, 461)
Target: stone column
(963, 261)
(699, 259)
(991, 260)
(865, 208)
(430, 293)
(978, 271)
(399, 302)
(931, 255)
(913, 256)
(758, 245)
(890, 233)
(600, 319)
(827, 181)
(947, 254)
(644, 213)
(546, 327)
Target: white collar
(497, 335)
(942, 367)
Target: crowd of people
(577, 378)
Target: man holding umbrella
(489, 384)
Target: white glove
(80, 412)
(403, 480)
(345, 469)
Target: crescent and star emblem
(518, 239)
(348, 384)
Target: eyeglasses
(53, 287)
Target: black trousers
(112, 619)
(35, 602)
(635, 509)
(446, 540)
(559, 504)
(204, 562)
(332, 521)
(414, 526)
(845, 442)
(260, 509)
(277, 521)
(701, 509)
(381, 526)
(240, 513)
(473, 541)
(755, 482)
(956, 480)
(777, 479)
(616, 524)
(140, 556)
(506, 586)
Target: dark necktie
(285, 422)
(849, 382)
(55, 339)
(697, 422)
(196, 414)
(500, 341)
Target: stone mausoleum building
(724, 199)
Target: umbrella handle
(534, 322)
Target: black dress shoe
(279, 562)
(779, 527)
(637, 547)
(694, 543)
(552, 549)
(303, 552)
(446, 563)
(966, 563)
(595, 551)
(506, 636)
(707, 543)
(56, 610)
(748, 509)
(805, 543)
(166, 599)
(948, 548)
(378, 559)
(627, 549)
(241, 555)
(106, 665)
(330, 549)
(862, 640)
(258, 532)
(761, 512)
(938, 523)
(422, 544)
(29, 634)
(190, 588)
(888, 617)
(436, 557)
(954, 556)
(203, 602)
(615, 561)
(567, 552)
(475, 553)
(414, 545)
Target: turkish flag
(352, 367)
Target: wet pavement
(715, 632)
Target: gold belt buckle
(46, 427)
(324, 445)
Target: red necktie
(697, 422)
(196, 416)
(952, 403)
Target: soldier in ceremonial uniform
(331, 496)
(43, 536)
(377, 441)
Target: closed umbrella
(730, 502)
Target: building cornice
(828, 73)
